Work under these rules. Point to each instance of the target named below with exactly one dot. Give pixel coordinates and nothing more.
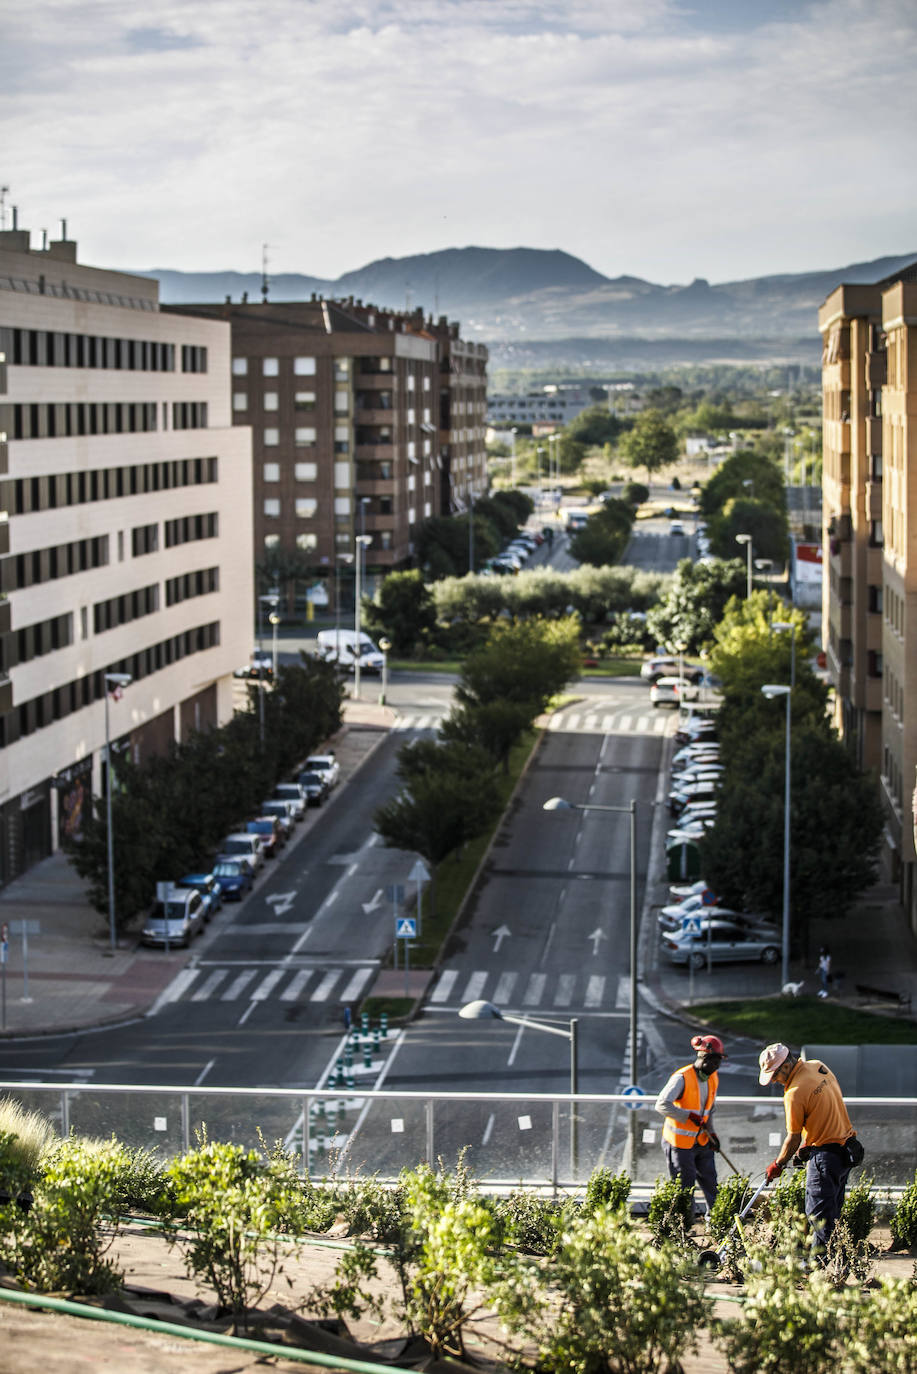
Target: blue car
(210, 889)
(235, 878)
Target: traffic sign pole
(4, 955)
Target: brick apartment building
(869, 487)
(364, 422)
(125, 533)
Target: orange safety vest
(684, 1134)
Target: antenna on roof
(4, 192)
(265, 284)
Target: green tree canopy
(768, 527)
(694, 602)
(604, 536)
(651, 444)
(403, 610)
(594, 426)
(764, 478)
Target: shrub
(29, 1135)
(671, 1211)
(904, 1218)
(606, 1189)
(635, 493)
(606, 1301)
(528, 1222)
(235, 1203)
(859, 1214)
(884, 1338)
(731, 1197)
(62, 1242)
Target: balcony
(375, 449)
(874, 500)
(840, 552)
(875, 564)
(873, 425)
(364, 415)
(872, 697)
(374, 486)
(5, 616)
(6, 695)
(374, 379)
(876, 369)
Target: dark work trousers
(826, 1183)
(695, 1165)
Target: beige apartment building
(365, 422)
(869, 376)
(125, 534)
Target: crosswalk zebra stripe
(589, 722)
(594, 990)
(622, 998)
(446, 980)
(209, 985)
(475, 987)
(607, 724)
(534, 989)
(323, 991)
(293, 990)
(180, 984)
(642, 724)
(564, 994)
(267, 984)
(625, 723)
(556, 723)
(353, 989)
(505, 988)
(573, 722)
(238, 985)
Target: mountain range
(539, 306)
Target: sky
(664, 139)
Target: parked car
(175, 921)
(209, 888)
(313, 784)
(260, 665)
(268, 830)
(241, 845)
(671, 917)
(703, 750)
(676, 527)
(691, 830)
(234, 876)
(327, 765)
(667, 666)
(281, 811)
(697, 791)
(679, 891)
(726, 941)
(704, 773)
(672, 691)
(293, 793)
(695, 728)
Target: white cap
(769, 1061)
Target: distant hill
(517, 298)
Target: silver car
(726, 942)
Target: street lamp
(559, 804)
(486, 1011)
(384, 645)
(512, 441)
(470, 531)
(114, 682)
(346, 558)
(274, 620)
(783, 626)
(271, 600)
(362, 541)
(746, 540)
(771, 690)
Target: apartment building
(365, 422)
(125, 534)
(869, 502)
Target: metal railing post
(185, 1122)
(306, 1134)
(65, 1113)
(555, 1142)
(429, 1117)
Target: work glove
(773, 1171)
(695, 1118)
(713, 1138)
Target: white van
(340, 646)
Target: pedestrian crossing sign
(690, 925)
(405, 928)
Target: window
(304, 400)
(240, 400)
(412, 381)
(342, 474)
(307, 541)
(272, 508)
(271, 438)
(875, 534)
(305, 472)
(272, 541)
(304, 436)
(342, 369)
(304, 367)
(341, 402)
(412, 417)
(342, 505)
(270, 367)
(271, 472)
(240, 367)
(271, 400)
(306, 507)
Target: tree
(403, 610)
(767, 525)
(605, 535)
(651, 444)
(594, 426)
(763, 478)
(695, 601)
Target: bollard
(348, 1057)
(367, 1055)
(364, 1022)
(350, 1079)
(376, 1040)
(383, 1022)
(339, 1075)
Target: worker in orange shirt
(689, 1141)
(818, 1132)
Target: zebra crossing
(526, 991)
(280, 983)
(567, 722)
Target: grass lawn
(806, 1020)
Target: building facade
(869, 502)
(125, 536)
(365, 422)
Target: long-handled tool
(712, 1259)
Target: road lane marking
(573, 722)
(595, 989)
(564, 994)
(357, 982)
(246, 1013)
(643, 724)
(323, 991)
(443, 988)
(204, 1072)
(209, 985)
(474, 986)
(505, 985)
(296, 986)
(487, 1129)
(534, 989)
(267, 985)
(589, 722)
(622, 997)
(179, 985)
(237, 985)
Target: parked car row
(517, 553)
(188, 905)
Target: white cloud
(637, 136)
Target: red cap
(709, 1043)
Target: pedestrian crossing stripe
(510, 988)
(568, 722)
(342, 984)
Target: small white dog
(792, 989)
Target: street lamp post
(512, 443)
(486, 1011)
(274, 619)
(384, 645)
(361, 542)
(771, 690)
(746, 540)
(470, 531)
(783, 626)
(271, 599)
(559, 804)
(113, 682)
(346, 558)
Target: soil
(156, 1285)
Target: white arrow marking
(280, 901)
(500, 935)
(371, 906)
(596, 937)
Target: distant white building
(552, 405)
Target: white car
(671, 691)
(291, 792)
(327, 765)
(676, 527)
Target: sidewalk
(73, 979)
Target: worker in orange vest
(688, 1139)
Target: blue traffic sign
(637, 1097)
(405, 928)
(690, 925)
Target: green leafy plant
(884, 1335)
(29, 1134)
(528, 1222)
(787, 1200)
(732, 1195)
(904, 1218)
(235, 1204)
(671, 1211)
(859, 1214)
(605, 1189)
(62, 1242)
(606, 1301)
